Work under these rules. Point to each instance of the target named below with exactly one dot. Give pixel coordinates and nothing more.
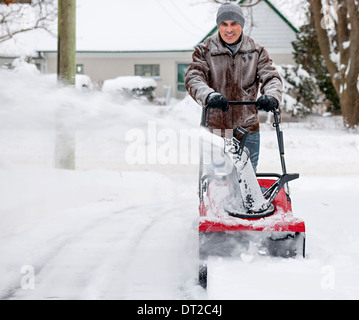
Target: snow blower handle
(205, 112)
(243, 103)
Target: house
(151, 38)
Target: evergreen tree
(307, 53)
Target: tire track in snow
(164, 256)
(117, 238)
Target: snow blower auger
(242, 212)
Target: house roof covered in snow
(136, 25)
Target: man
(230, 66)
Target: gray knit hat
(230, 11)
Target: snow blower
(242, 212)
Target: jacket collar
(217, 46)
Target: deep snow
(116, 230)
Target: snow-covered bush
(83, 81)
(301, 92)
(131, 86)
(23, 64)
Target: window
(80, 69)
(147, 70)
(181, 71)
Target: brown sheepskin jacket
(237, 77)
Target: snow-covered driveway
(117, 247)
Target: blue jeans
(253, 145)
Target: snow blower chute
(242, 212)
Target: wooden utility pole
(66, 74)
(66, 48)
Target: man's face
(230, 31)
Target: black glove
(267, 103)
(216, 100)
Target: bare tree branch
(337, 28)
(343, 34)
(248, 3)
(23, 16)
(354, 41)
(324, 43)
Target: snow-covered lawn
(112, 229)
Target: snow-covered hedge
(22, 65)
(131, 86)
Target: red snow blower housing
(242, 212)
